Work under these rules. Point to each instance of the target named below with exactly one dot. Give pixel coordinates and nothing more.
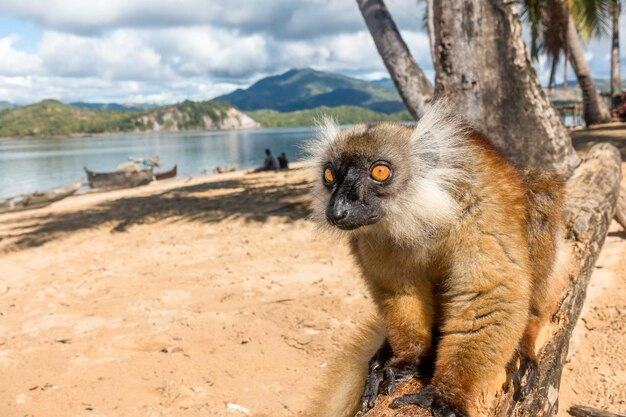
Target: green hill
(53, 118)
(307, 89)
(342, 114)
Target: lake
(28, 165)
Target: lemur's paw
(429, 398)
(526, 378)
(383, 375)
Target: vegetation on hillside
(342, 114)
(53, 118)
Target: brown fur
(480, 277)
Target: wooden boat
(167, 174)
(38, 199)
(119, 179)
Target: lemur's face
(360, 174)
(389, 180)
(357, 188)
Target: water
(28, 165)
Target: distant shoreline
(124, 133)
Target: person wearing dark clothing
(282, 161)
(270, 163)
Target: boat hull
(120, 179)
(38, 199)
(167, 174)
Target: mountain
(300, 89)
(602, 84)
(115, 106)
(6, 105)
(385, 83)
(53, 118)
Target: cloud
(14, 61)
(198, 51)
(169, 50)
(116, 56)
(28, 89)
(293, 19)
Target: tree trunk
(483, 67)
(593, 190)
(593, 107)
(431, 29)
(565, 65)
(413, 85)
(555, 62)
(616, 82)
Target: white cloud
(117, 55)
(169, 50)
(182, 62)
(286, 19)
(16, 62)
(199, 51)
(28, 89)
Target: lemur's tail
(339, 393)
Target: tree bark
(593, 191)
(483, 67)
(616, 82)
(430, 21)
(414, 87)
(594, 109)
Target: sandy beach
(214, 296)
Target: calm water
(28, 165)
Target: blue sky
(165, 51)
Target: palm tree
(557, 27)
(616, 82)
(414, 87)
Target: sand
(213, 296)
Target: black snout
(348, 208)
(337, 212)
(349, 215)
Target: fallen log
(582, 411)
(593, 190)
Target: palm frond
(592, 17)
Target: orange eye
(329, 177)
(381, 172)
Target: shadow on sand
(614, 134)
(251, 198)
(245, 198)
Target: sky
(166, 51)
